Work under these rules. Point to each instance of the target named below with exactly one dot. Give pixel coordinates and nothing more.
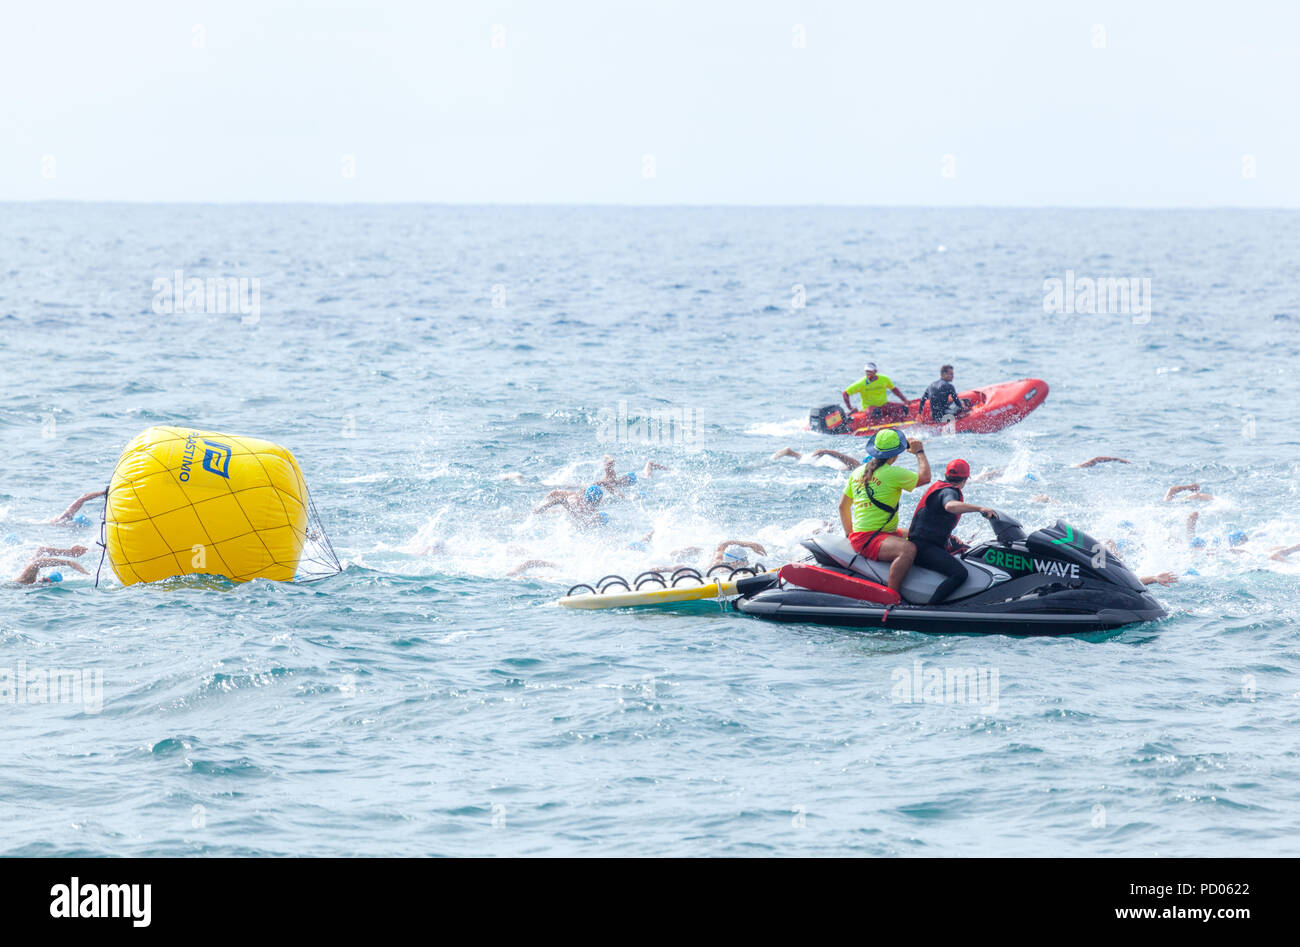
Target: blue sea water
(437, 370)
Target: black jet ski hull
(799, 605)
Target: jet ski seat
(918, 585)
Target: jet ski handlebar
(1007, 529)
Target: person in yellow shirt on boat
(874, 388)
(869, 506)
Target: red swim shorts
(869, 549)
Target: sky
(1141, 103)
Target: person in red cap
(935, 518)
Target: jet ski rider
(869, 506)
(873, 389)
(933, 523)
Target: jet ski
(1055, 581)
(992, 408)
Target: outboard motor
(830, 419)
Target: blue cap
(81, 519)
(594, 493)
(54, 577)
(1198, 542)
(1030, 476)
(638, 546)
(12, 539)
(1126, 524)
(1237, 537)
(1190, 572)
(631, 478)
(604, 517)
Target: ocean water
(437, 370)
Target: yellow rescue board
(655, 596)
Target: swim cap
(54, 577)
(12, 539)
(638, 546)
(885, 444)
(957, 468)
(81, 519)
(1126, 524)
(594, 493)
(604, 517)
(735, 554)
(1123, 545)
(631, 478)
(1237, 537)
(1198, 542)
(1191, 572)
(1030, 476)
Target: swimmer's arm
(752, 547)
(1281, 554)
(1164, 578)
(53, 551)
(553, 500)
(987, 475)
(1174, 491)
(850, 462)
(71, 511)
(846, 505)
(1101, 460)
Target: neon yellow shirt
(887, 485)
(872, 392)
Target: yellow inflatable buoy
(185, 502)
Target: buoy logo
(217, 459)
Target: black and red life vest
(931, 525)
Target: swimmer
(1101, 460)
(581, 507)
(1279, 553)
(43, 558)
(71, 516)
(579, 504)
(849, 462)
(1235, 537)
(1195, 492)
(531, 564)
(612, 481)
(731, 553)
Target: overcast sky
(1134, 103)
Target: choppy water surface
(438, 370)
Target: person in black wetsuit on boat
(942, 398)
(933, 522)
